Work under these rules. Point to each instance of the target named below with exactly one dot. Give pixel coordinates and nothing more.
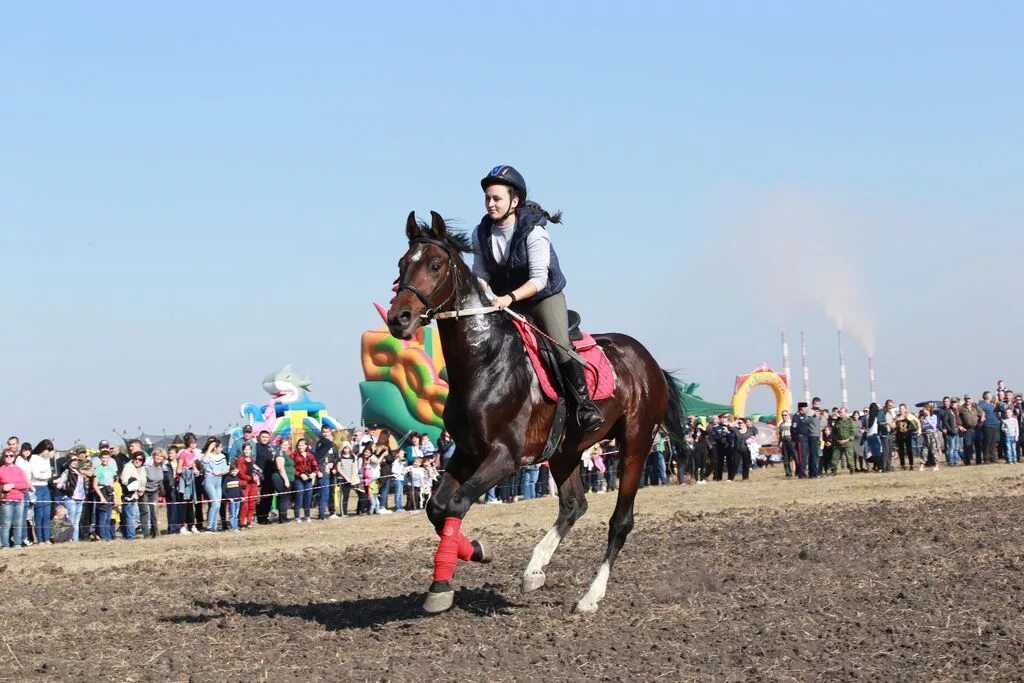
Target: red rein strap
(454, 546)
(573, 353)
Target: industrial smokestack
(785, 357)
(842, 371)
(785, 364)
(807, 377)
(871, 378)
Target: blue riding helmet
(506, 175)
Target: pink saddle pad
(599, 373)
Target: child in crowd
(827, 446)
(597, 459)
(1011, 433)
(365, 477)
(61, 529)
(374, 491)
(416, 476)
(232, 494)
(430, 476)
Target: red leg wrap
(454, 546)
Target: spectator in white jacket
(398, 472)
(133, 478)
(40, 475)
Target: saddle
(574, 327)
(599, 373)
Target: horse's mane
(456, 239)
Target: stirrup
(589, 418)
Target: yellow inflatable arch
(763, 375)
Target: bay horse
(499, 419)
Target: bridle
(432, 310)
(435, 312)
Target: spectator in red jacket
(307, 471)
(13, 484)
(250, 477)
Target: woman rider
(513, 255)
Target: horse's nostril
(404, 317)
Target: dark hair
(189, 436)
(211, 441)
(42, 447)
(134, 441)
(873, 414)
(555, 217)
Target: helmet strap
(511, 209)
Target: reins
(432, 312)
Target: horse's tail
(676, 412)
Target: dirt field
(908, 576)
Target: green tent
(698, 407)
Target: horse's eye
(436, 266)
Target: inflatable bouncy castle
(406, 383)
(290, 413)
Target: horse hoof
(532, 582)
(482, 552)
(586, 606)
(438, 602)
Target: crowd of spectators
(817, 441)
(50, 497)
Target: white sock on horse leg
(597, 590)
(543, 552)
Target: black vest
(516, 269)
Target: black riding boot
(587, 414)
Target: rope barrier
(291, 489)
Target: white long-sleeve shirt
(1010, 427)
(538, 248)
(40, 469)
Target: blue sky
(192, 196)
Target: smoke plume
(814, 250)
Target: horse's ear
(437, 226)
(412, 228)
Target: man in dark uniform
(801, 431)
(721, 437)
(264, 459)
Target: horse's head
(428, 275)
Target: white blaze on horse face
(418, 254)
(597, 590)
(543, 552)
